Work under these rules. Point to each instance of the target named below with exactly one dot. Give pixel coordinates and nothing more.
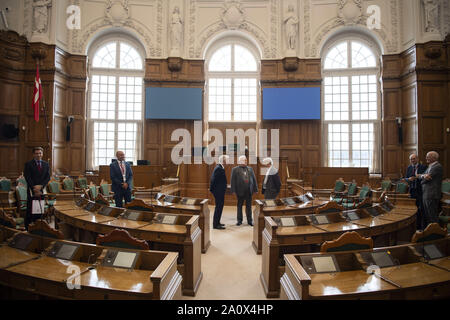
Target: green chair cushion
(53, 187)
(82, 182)
(5, 185)
(68, 184)
(431, 237)
(138, 208)
(401, 187)
(104, 189)
(93, 190)
(339, 186)
(352, 189)
(119, 244)
(22, 181)
(349, 247)
(386, 185)
(446, 186)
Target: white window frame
(117, 73)
(233, 75)
(349, 72)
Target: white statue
(431, 15)
(40, 15)
(291, 23)
(177, 29)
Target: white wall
(402, 23)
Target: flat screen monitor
(169, 199)
(173, 103)
(291, 103)
(324, 264)
(288, 222)
(372, 211)
(63, 251)
(382, 259)
(432, 252)
(90, 206)
(105, 211)
(352, 216)
(270, 203)
(289, 201)
(386, 206)
(321, 219)
(132, 215)
(125, 259)
(21, 241)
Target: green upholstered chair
(386, 185)
(401, 187)
(93, 191)
(445, 186)
(5, 184)
(353, 201)
(21, 195)
(42, 228)
(21, 181)
(82, 183)
(338, 191)
(105, 191)
(120, 238)
(68, 184)
(54, 189)
(432, 232)
(348, 241)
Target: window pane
(337, 57)
(220, 100)
(362, 57)
(221, 59)
(129, 57)
(105, 56)
(244, 93)
(103, 144)
(243, 59)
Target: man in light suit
(37, 174)
(431, 182)
(121, 177)
(415, 187)
(218, 187)
(243, 184)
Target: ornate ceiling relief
(350, 13)
(117, 15)
(192, 10)
(307, 24)
(273, 27)
(233, 18)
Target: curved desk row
(184, 235)
(31, 266)
(387, 227)
(411, 274)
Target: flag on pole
(37, 94)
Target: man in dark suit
(272, 182)
(37, 175)
(431, 182)
(218, 187)
(415, 187)
(121, 178)
(243, 183)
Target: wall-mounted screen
(291, 103)
(173, 103)
(125, 259)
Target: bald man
(121, 178)
(415, 188)
(431, 182)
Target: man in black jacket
(272, 183)
(243, 184)
(218, 187)
(37, 174)
(415, 188)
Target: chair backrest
(42, 228)
(120, 238)
(347, 242)
(105, 188)
(364, 192)
(386, 184)
(446, 185)
(401, 187)
(6, 220)
(53, 186)
(432, 232)
(100, 199)
(330, 206)
(5, 184)
(21, 181)
(339, 186)
(82, 182)
(21, 193)
(352, 189)
(68, 184)
(138, 204)
(93, 191)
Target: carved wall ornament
(176, 32)
(431, 9)
(117, 12)
(290, 64)
(233, 15)
(350, 12)
(41, 15)
(433, 51)
(291, 28)
(174, 64)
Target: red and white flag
(37, 94)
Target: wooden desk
(42, 275)
(187, 237)
(261, 211)
(277, 240)
(411, 278)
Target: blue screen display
(291, 103)
(173, 103)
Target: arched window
(115, 101)
(351, 106)
(232, 83)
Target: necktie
(39, 166)
(122, 168)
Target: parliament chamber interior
(115, 116)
